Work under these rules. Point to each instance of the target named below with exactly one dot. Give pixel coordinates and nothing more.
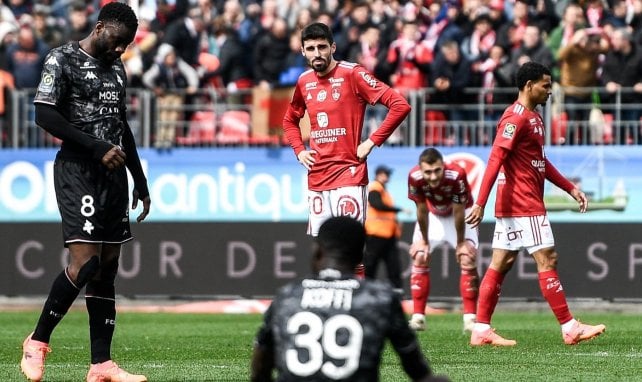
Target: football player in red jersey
(442, 195)
(518, 159)
(335, 95)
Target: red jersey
(520, 185)
(336, 106)
(453, 188)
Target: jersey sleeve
(52, 79)
(414, 190)
(461, 192)
(508, 131)
(293, 115)
(367, 86)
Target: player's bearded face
(318, 54)
(433, 173)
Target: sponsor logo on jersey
(322, 95)
(108, 95)
(108, 85)
(87, 65)
(322, 120)
(310, 85)
(336, 82)
(336, 94)
(90, 76)
(46, 83)
(509, 130)
(52, 61)
(370, 80)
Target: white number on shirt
(321, 339)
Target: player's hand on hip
(306, 158)
(419, 251)
(364, 149)
(475, 216)
(580, 197)
(114, 158)
(147, 202)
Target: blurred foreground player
(81, 100)
(332, 326)
(518, 157)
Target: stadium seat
(202, 129)
(235, 127)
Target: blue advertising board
(269, 185)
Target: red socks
(419, 288)
(469, 289)
(360, 271)
(489, 291)
(553, 292)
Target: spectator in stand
(595, 12)
(382, 17)
(170, 78)
(270, 53)
(19, 7)
(579, 63)
(572, 20)
(78, 26)
(622, 73)
(532, 48)
(25, 58)
(185, 35)
(477, 45)
(357, 23)
(234, 71)
(451, 73)
(410, 59)
(46, 26)
(511, 33)
(295, 63)
(8, 34)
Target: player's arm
(263, 353)
(292, 130)
(52, 121)
(555, 177)
(421, 248)
(141, 191)
(376, 202)
(398, 110)
(405, 343)
(497, 156)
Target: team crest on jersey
(46, 83)
(336, 94)
(322, 95)
(348, 206)
(509, 130)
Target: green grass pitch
(217, 347)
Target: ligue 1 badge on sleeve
(509, 130)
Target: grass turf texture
(217, 347)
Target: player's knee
(87, 271)
(468, 261)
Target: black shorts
(93, 202)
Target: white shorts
(530, 232)
(344, 201)
(441, 230)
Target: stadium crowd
(447, 47)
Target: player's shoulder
(454, 170)
(415, 174)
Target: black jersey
(89, 93)
(334, 329)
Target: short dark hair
(119, 13)
(316, 31)
(430, 155)
(343, 238)
(530, 71)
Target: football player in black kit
(81, 100)
(332, 326)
